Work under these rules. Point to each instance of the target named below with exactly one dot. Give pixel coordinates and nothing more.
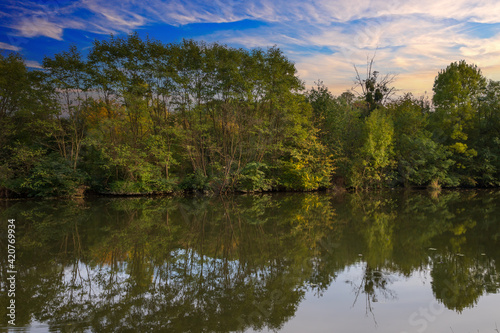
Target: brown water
(303, 262)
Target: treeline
(452, 141)
(140, 116)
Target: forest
(138, 116)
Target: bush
(252, 178)
(196, 181)
(296, 175)
(128, 187)
(52, 177)
(162, 185)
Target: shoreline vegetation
(139, 117)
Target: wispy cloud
(412, 38)
(33, 64)
(415, 41)
(36, 26)
(5, 46)
(31, 19)
(110, 15)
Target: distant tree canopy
(139, 116)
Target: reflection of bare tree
(373, 285)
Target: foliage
(196, 181)
(52, 176)
(408, 141)
(420, 159)
(252, 178)
(340, 129)
(457, 92)
(27, 106)
(139, 116)
(307, 168)
(377, 151)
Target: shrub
(52, 176)
(196, 181)
(252, 178)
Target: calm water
(315, 262)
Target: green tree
(457, 92)
(420, 160)
(375, 159)
(67, 72)
(27, 107)
(340, 128)
(486, 137)
(132, 127)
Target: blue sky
(324, 38)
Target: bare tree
(375, 90)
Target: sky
(324, 38)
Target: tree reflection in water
(374, 284)
(233, 263)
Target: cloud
(35, 27)
(5, 46)
(318, 11)
(324, 38)
(112, 16)
(176, 12)
(412, 41)
(31, 19)
(33, 64)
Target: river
(390, 261)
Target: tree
(27, 107)
(457, 89)
(457, 93)
(340, 128)
(67, 72)
(486, 137)
(24, 96)
(375, 90)
(376, 157)
(420, 160)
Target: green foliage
(374, 162)
(137, 116)
(408, 142)
(340, 129)
(306, 169)
(195, 182)
(52, 177)
(126, 187)
(457, 88)
(420, 159)
(486, 137)
(252, 178)
(378, 147)
(26, 108)
(457, 93)
(295, 175)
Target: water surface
(379, 262)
